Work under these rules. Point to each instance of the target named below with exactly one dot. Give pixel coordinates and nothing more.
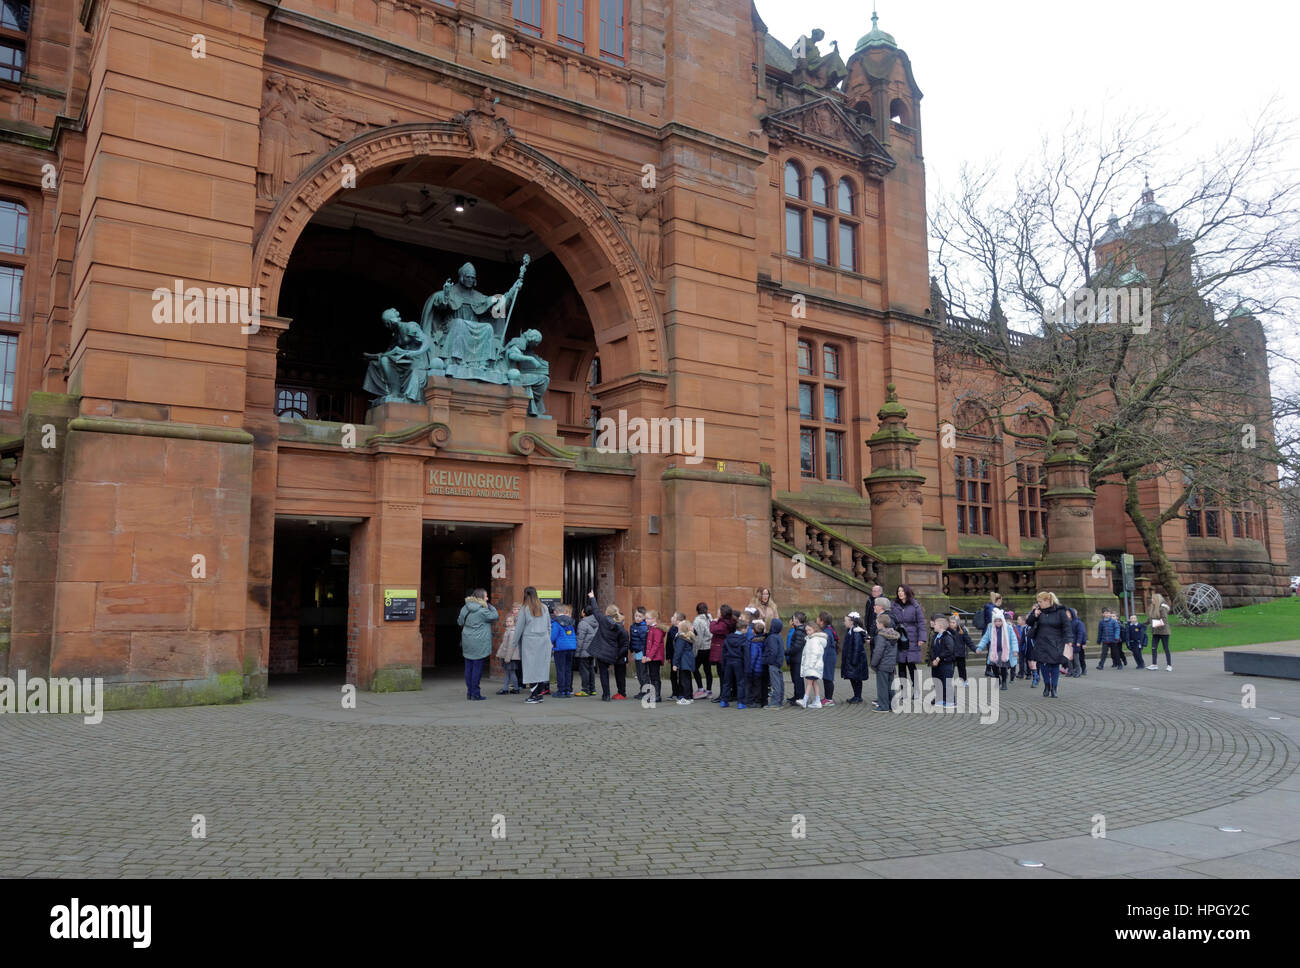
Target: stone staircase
(815, 567)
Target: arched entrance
(386, 524)
(566, 215)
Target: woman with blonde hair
(533, 639)
(762, 604)
(1160, 632)
(1052, 631)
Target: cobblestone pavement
(412, 784)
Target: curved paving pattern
(670, 790)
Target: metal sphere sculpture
(1198, 604)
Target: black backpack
(982, 619)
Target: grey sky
(998, 76)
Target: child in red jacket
(654, 654)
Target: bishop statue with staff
(468, 327)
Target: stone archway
(478, 151)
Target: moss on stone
(225, 687)
(396, 679)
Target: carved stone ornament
(300, 122)
(487, 132)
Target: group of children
(749, 650)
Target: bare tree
(1145, 334)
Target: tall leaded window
(613, 28)
(822, 411)
(528, 15)
(15, 18)
(1203, 516)
(568, 23)
(13, 264)
(974, 495)
(1030, 484)
(8, 370)
(822, 227)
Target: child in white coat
(814, 653)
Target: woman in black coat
(855, 665)
(1052, 630)
(609, 647)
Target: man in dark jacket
(773, 658)
(871, 613)
(794, 655)
(735, 650)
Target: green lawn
(1277, 621)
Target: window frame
(531, 29)
(20, 42)
(21, 263)
(812, 212)
(984, 488)
(609, 56)
(822, 430)
(1031, 483)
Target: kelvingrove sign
(473, 484)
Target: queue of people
(747, 651)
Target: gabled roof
(824, 124)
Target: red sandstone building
(718, 233)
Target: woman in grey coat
(475, 620)
(533, 637)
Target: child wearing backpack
(829, 655)
(773, 659)
(564, 645)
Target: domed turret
(877, 37)
(1149, 212)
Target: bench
(1274, 665)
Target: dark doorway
(580, 560)
(456, 560)
(309, 596)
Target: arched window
(793, 180)
(845, 196)
(817, 230)
(13, 263)
(819, 186)
(898, 112)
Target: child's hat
(854, 615)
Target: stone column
(1070, 566)
(260, 420)
(385, 554)
(897, 532)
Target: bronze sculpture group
(461, 335)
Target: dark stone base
(1272, 665)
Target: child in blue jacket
(1135, 637)
(755, 667)
(1109, 635)
(735, 654)
(564, 645)
(683, 658)
(636, 643)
